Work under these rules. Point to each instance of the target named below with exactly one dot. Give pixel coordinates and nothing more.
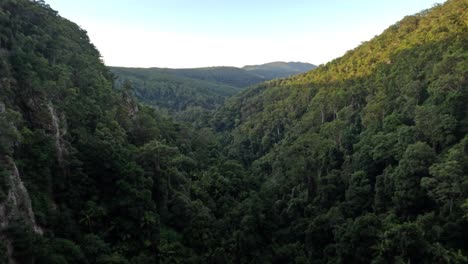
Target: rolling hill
(279, 69)
(188, 93)
(361, 160)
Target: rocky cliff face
(16, 205)
(58, 134)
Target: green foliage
(362, 160)
(104, 173)
(191, 95)
(409, 197)
(186, 96)
(355, 154)
(357, 238)
(447, 183)
(358, 194)
(403, 243)
(231, 76)
(279, 69)
(9, 135)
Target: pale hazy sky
(198, 33)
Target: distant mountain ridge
(183, 92)
(362, 160)
(228, 75)
(221, 74)
(178, 95)
(279, 69)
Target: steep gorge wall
(16, 205)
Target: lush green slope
(87, 175)
(228, 75)
(279, 69)
(364, 159)
(187, 99)
(190, 94)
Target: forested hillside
(279, 69)
(227, 75)
(186, 99)
(87, 174)
(362, 160)
(191, 94)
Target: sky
(202, 33)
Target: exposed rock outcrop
(58, 134)
(17, 205)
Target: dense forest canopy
(191, 95)
(184, 98)
(279, 69)
(362, 160)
